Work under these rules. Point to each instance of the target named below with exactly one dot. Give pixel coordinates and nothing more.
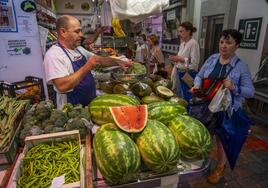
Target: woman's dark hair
(236, 35)
(188, 26)
(154, 39)
(143, 36)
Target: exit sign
(250, 29)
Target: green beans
(10, 109)
(44, 162)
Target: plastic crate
(31, 88)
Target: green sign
(250, 28)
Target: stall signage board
(250, 29)
(171, 15)
(8, 22)
(18, 47)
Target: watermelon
(147, 81)
(164, 111)
(141, 89)
(163, 82)
(107, 86)
(117, 156)
(131, 94)
(121, 88)
(158, 147)
(99, 107)
(150, 99)
(164, 92)
(131, 119)
(192, 137)
(179, 100)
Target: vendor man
(68, 65)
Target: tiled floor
(252, 165)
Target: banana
(117, 27)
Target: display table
(189, 170)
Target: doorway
(212, 27)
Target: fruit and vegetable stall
(135, 133)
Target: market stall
(133, 116)
(135, 133)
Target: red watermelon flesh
(131, 119)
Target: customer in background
(141, 50)
(238, 81)
(187, 59)
(157, 57)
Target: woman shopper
(227, 68)
(141, 49)
(187, 59)
(157, 57)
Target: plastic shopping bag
(136, 10)
(221, 101)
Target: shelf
(48, 26)
(46, 10)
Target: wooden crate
(48, 138)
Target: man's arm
(67, 83)
(96, 34)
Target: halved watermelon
(131, 119)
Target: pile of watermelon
(159, 134)
(147, 89)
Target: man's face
(73, 34)
(140, 40)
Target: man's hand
(102, 29)
(94, 37)
(124, 64)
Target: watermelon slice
(131, 119)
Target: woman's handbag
(188, 79)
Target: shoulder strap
(231, 68)
(60, 45)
